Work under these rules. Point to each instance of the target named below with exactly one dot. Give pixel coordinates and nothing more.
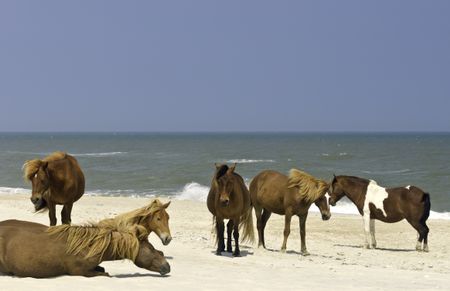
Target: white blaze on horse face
(328, 198)
(375, 195)
(35, 175)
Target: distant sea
(181, 165)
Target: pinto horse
(57, 179)
(385, 204)
(229, 199)
(30, 249)
(272, 191)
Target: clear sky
(225, 65)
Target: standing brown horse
(153, 217)
(229, 199)
(30, 249)
(385, 204)
(272, 191)
(57, 179)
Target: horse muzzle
(165, 239)
(39, 203)
(165, 269)
(326, 216)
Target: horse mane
(221, 171)
(94, 239)
(31, 167)
(310, 188)
(133, 217)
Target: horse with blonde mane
(229, 199)
(30, 249)
(272, 191)
(56, 179)
(153, 217)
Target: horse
(385, 204)
(56, 179)
(34, 250)
(152, 216)
(272, 191)
(229, 199)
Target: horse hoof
(283, 251)
(218, 253)
(236, 254)
(305, 253)
(229, 250)
(425, 249)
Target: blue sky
(224, 66)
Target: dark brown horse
(229, 199)
(30, 249)
(385, 204)
(57, 179)
(272, 191)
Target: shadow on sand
(380, 249)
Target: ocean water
(181, 165)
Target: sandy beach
(337, 260)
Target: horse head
(159, 222)
(225, 186)
(151, 259)
(324, 206)
(40, 183)
(336, 191)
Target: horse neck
(355, 192)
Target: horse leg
(372, 233)
(265, 217)
(220, 227)
(302, 226)
(423, 230)
(230, 226)
(366, 220)
(236, 252)
(287, 229)
(65, 213)
(52, 213)
(425, 237)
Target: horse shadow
(381, 249)
(244, 253)
(137, 275)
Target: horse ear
(232, 168)
(217, 165)
(166, 205)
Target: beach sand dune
(337, 260)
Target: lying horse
(272, 191)
(153, 217)
(57, 179)
(229, 199)
(30, 249)
(385, 204)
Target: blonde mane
(30, 167)
(310, 188)
(133, 217)
(95, 240)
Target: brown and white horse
(385, 204)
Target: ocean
(180, 165)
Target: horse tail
(246, 225)
(426, 207)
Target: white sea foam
(99, 154)
(193, 191)
(249, 161)
(12, 191)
